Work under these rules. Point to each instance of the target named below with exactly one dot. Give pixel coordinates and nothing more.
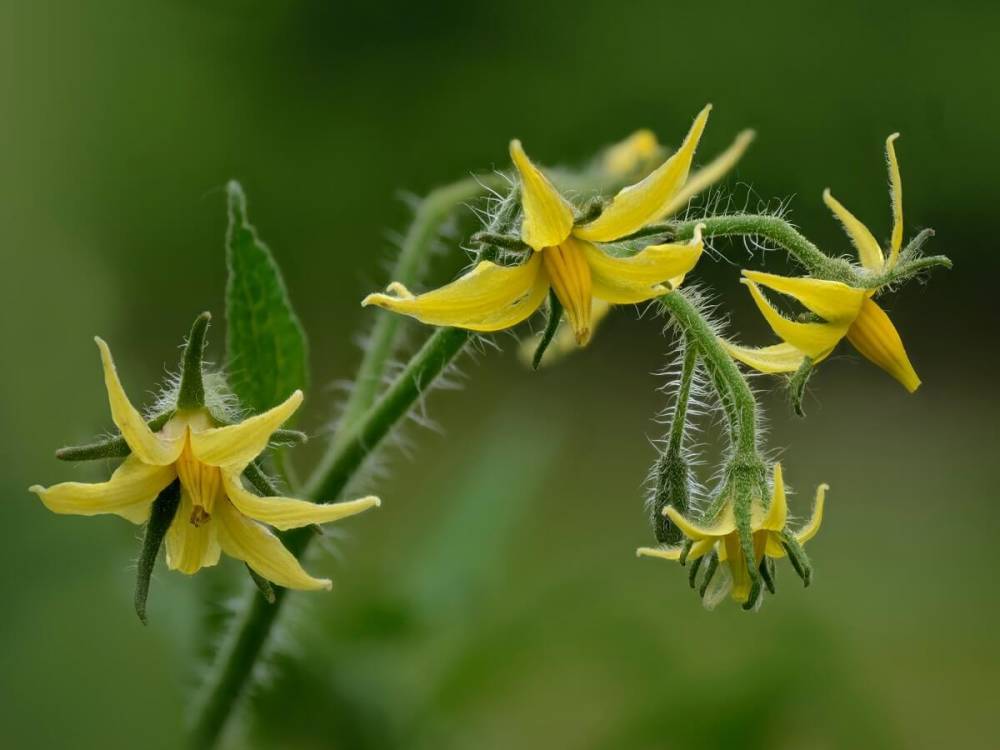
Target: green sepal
(160, 517)
(693, 573)
(287, 438)
(551, 326)
(591, 210)
(797, 385)
(797, 557)
(263, 585)
(753, 599)
(767, 573)
(191, 392)
(112, 447)
(685, 551)
(713, 565)
(511, 242)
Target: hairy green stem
(239, 653)
(676, 437)
(431, 214)
(734, 393)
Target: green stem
(734, 393)
(676, 438)
(779, 232)
(240, 651)
(432, 212)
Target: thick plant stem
(431, 214)
(239, 653)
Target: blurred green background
(495, 599)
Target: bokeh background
(495, 598)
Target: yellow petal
(191, 548)
(710, 174)
(725, 524)
(252, 543)
(149, 447)
(129, 492)
(626, 156)
(288, 513)
(808, 531)
(569, 274)
(896, 193)
(488, 298)
(664, 553)
(738, 568)
(777, 512)
(773, 546)
(637, 205)
(234, 446)
(548, 218)
(641, 277)
(831, 300)
(700, 548)
(769, 359)
(874, 335)
(812, 339)
(869, 252)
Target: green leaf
(266, 352)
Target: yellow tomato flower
(566, 256)
(844, 311)
(216, 513)
(623, 158)
(767, 526)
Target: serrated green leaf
(266, 352)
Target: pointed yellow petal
(773, 547)
(548, 218)
(777, 513)
(874, 335)
(234, 446)
(664, 553)
(488, 298)
(770, 359)
(637, 205)
(191, 548)
(700, 548)
(149, 447)
(129, 492)
(869, 252)
(288, 513)
(710, 174)
(831, 300)
(725, 524)
(252, 543)
(808, 531)
(812, 339)
(626, 156)
(738, 568)
(896, 193)
(643, 275)
(569, 274)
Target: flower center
(201, 482)
(569, 275)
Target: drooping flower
(566, 256)
(622, 158)
(768, 529)
(842, 310)
(216, 512)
